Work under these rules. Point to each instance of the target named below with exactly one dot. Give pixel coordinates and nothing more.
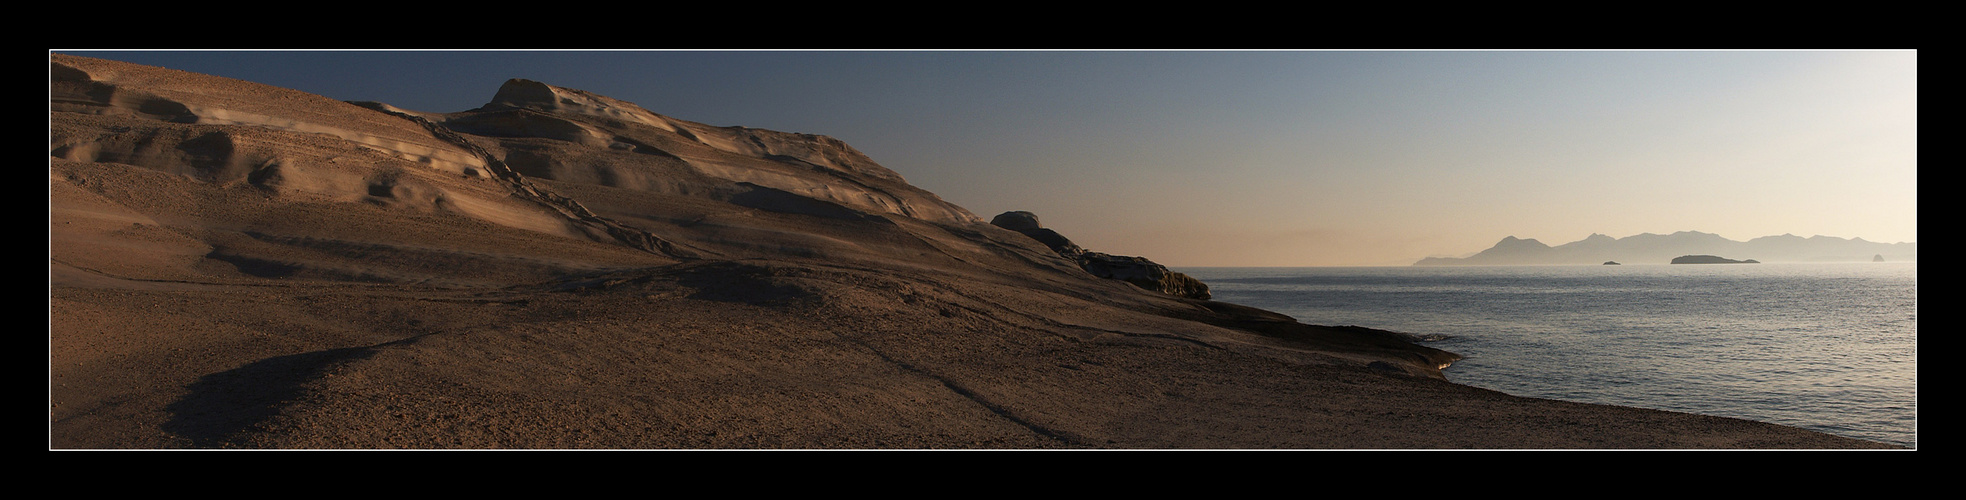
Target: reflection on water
(1829, 347)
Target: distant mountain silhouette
(1649, 248)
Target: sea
(1831, 347)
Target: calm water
(1829, 347)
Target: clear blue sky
(1272, 158)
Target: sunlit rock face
(540, 182)
(239, 265)
(550, 162)
(625, 146)
(1136, 270)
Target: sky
(1269, 157)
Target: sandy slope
(234, 265)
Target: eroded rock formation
(1136, 270)
(239, 265)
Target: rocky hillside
(238, 265)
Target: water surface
(1831, 347)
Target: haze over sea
(1831, 347)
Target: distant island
(1652, 248)
(1709, 259)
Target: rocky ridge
(238, 265)
(1139, 271)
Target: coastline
(296, 272)
(683, 373)
(1844, 364)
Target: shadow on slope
(221, 405)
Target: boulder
(1136, 270)
(1143, 273)
(1027, 223)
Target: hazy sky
(1273, 158)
